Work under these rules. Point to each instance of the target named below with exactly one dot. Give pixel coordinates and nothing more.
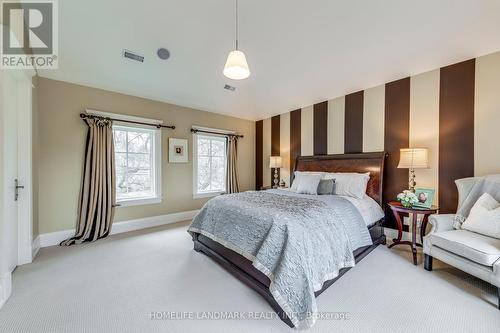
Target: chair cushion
(481, 249)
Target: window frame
(206, 194)
(156, 164)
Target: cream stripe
(424, 125)
(306, 129)
(373, 119)
(487, 115)
(285, 147)
(336, 120)
(266, 152)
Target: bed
(249, 270)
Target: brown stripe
(456, 130)
(258, 153)
(295, 125)
(275, 142)
(320, 121)
(396, 136)
(353, 130)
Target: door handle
(16, 189)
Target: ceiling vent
(230, 88)
(133, 56)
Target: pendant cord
(236, 24)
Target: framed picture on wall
(425, 196)
(177, 150)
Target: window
(209, 153)
(138, 163)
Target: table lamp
(413, 158)
(275, 163)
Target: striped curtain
(231, 172)
(98, 192)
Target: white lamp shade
(413, 158)
(236, 67)
(275, 162)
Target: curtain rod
(209, 132)
(91, 116)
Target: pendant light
(236, 67)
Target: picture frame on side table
(425, 197)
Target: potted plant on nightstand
(407, 198)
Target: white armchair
(473, 253)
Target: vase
(406, 204)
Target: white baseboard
(35, 247)
(54, 238)
(5, 287)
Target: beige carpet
(114, 285)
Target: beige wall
(34, 153)
(61, 135)
(373, 119)
(487, 115)
(336, 118)
(424, 125)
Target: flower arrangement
(407, 198)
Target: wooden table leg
(398, 210)
(400, 229)
(414, 237)
(423, 227)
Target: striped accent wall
(396, 136)
(453, 111)
(353, 123)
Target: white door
(9, 97)
(15, 173)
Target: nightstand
(397, 211)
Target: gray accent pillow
(326, 186)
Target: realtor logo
(29, 34)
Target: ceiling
(299, 52)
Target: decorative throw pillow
(308, 184)
(298, 176)
(351, 184)
(484, 217)
(326, 186)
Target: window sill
(138, 202)
(207, 194)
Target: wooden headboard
(362, 162)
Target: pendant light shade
(236, 67)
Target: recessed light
(163, 53)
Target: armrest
(496, 267)
(441, 222)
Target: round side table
(398, 210)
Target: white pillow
(484, 217)
(298, 176)
(350, 184)
(309, 184)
